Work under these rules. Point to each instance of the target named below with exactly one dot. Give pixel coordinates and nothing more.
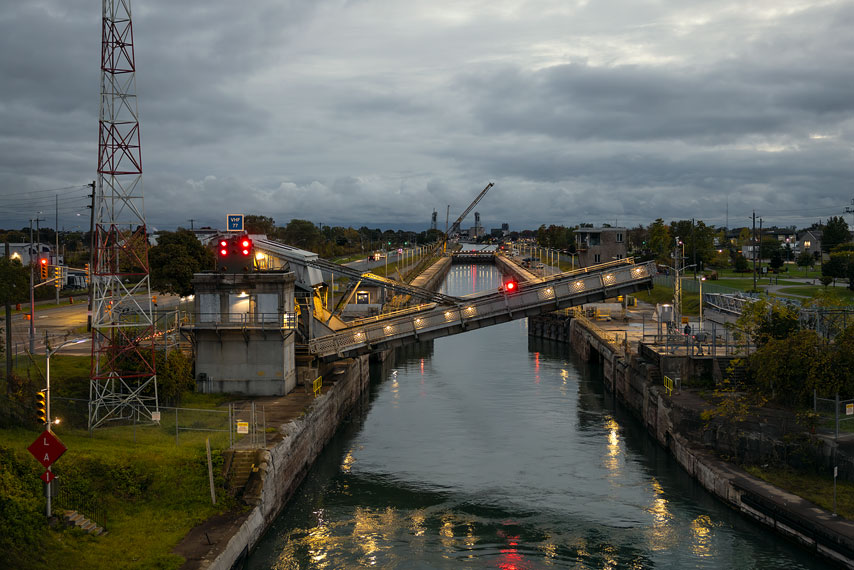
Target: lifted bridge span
(432, 320)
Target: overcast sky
(377, 112)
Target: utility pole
(56, 253)
(32, 295)
(760, 245)
(694, 247)
(191, 220)
(8, 336)
(754, 250)
(91, 258)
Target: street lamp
(701, 302)
(48, 354)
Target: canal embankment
(275, 470)
(266, 476)
(635, 373)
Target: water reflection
(489, 450)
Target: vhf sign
(234, 222)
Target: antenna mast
(123, 382)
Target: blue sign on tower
(234, 222)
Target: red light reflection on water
(510, 558)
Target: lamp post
(701, 302)
(48, 421)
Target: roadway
(66, 321)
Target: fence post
(176, 425)
(837, 415)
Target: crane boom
(456, 225)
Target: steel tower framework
(123, 381)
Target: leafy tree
(659, 240)
(776, 261)
(836, 267)
(699, 240)
(805, 260)
(301, 233)
(174, 375)
(174, 260)
(835, 233)
(768, 246)
(557, 237)
(741, 264)
(788, 367)
(14, 281)
(256, 224)
(764, 320)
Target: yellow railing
(609, 337)
(317, 385)
(669, 385)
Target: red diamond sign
(47, 448)
(47, 476)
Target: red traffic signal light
(235, 254)
(510, 286)
(43, 268)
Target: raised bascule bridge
(453, 315)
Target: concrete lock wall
(637, 383)
(285, 466)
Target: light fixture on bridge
(359, 337)
(638, 272)
(449, 315)
(418, 322)
(609, 279)
(469, 311)
(578, 286)
(388, 329)
(547, 293)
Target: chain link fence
(834, 416)
(239, 424)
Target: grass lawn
(813, 487)
(153, 491)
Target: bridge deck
(486, 308)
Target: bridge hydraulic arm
(355, 274)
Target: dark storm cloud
(378, 112)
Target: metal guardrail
(243, 319)
(483, 309)
(611, 338)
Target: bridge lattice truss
(433, 320)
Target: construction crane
(455, 227)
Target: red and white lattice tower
(123, 380)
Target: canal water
(492, 450)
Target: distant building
(23, 253)
(809, 240)
(600, 245)
(477, 232)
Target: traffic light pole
(32, 295)
(48, 352)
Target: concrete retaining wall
(636, 383)
(286, 465)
